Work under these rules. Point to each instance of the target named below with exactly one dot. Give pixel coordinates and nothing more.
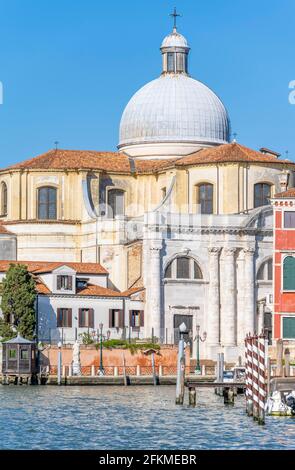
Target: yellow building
(177, 187)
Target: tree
(18, 295)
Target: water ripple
(130, 418)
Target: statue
(76, 364)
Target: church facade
(179, 210)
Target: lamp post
(101, 369)
(198, 338)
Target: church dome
(174, 114)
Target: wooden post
(138, 370)
(160, 370)
(180, 373)
(287, 362)
(192, 396)
(280, 345)
(153, 369)
(229, 397)
(268, 376)
(124, 370)
(92, 370)
(116, 372)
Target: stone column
(228, 305)
(153, 290)
(249, 291)
(213, 311)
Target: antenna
(56, 144)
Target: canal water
(130, 418)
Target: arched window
(262, 193)
(205, 198)
(47, 203)
(289, 273)
(115, 202)
(265, 271)
(3, 198)
(183, 267)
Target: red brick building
(284, 265)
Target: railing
(140, 371)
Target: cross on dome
(175, 15)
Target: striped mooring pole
(255, 355)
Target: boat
(281, 400)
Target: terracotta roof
(290, 193)
(233, 152)
(41, 288)
(120, 163)
(132, 290)
(86, 159)
(3, 230)
(39, 267)
(94, 290)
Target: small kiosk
(18, 360)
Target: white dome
(174, 40)
(177, 109)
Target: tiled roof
(286, 194)
(39, 267)
(3, 230)
(94, 290)
(132, 290)
(84, 159)
(116, 162)
(233, 152)
(41, 287)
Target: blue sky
(69, 67)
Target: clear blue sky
(69, 67)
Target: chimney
(283, 179)
(269, 152)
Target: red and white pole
(262, 343)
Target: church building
(179, 210)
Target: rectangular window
(206, 198)
(115, 318)
(24, 354)
(12, 354)
(136, 318)
(64, 317)
(64, 282)
(171, 62)
(289, 327)
(289, 219)
(86, 318)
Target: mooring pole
(59, 364)
(287, 362)
(280, 345)
(192, 396)
(180, 367)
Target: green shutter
(289, 327)
(289, 273)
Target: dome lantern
(175, 50)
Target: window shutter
(289, 273)
(110, 318)
(91, 318)
(130, 318)
(289, 328)
(69, 311)
(141, 317)
(121, 318)
(80, 317)
(59, 317)
(58, 282)
(70, 282)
